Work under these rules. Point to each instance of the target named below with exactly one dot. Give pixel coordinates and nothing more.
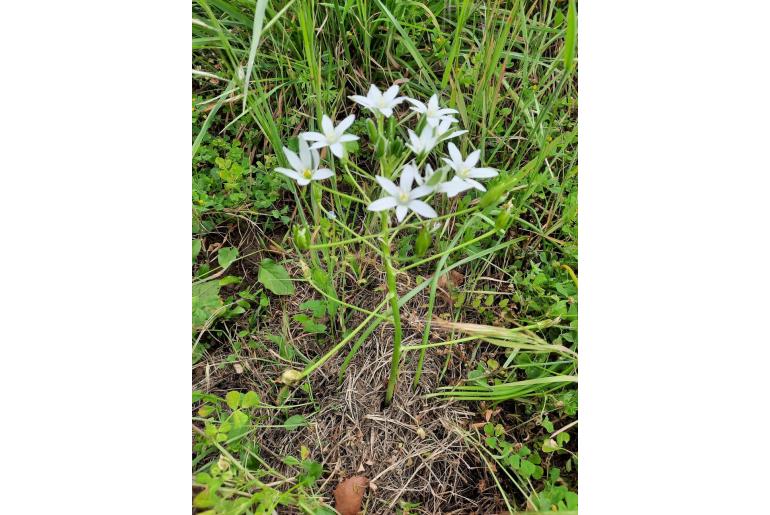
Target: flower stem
(390, 275)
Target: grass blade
(256, 32)
(570, 39)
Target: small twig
(564, 428)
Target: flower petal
(320, 144)
(364, 101)
(418, 106)
(476, 184)
(422, 209)
(288, 173)
(482, 173)
(293, 159)
(457, 158)
(302, 181)
(382, 204)
(432, 121)
(387, 185)
(327, 125)
(337, 149)
(407, 177)
(420, 191)
(473, 158)
(454, 134)
(454, 187)
(373, 93)
(304, 154)
(316, 158)
(345, 124)
(401, 212)
(312, 136)
(390, 93)
(387, 112)
(347, 137)
(322, 173)
(413, 139)
(450, 163)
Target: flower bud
(496, 193)
(391, 129)
(371, 129)
(306, 273)
(290, 376)
(502, 220)
(422, 242)
(379, 149)
(301, 237)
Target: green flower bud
(290, 376)
(503, 219)
(422, 242)
(379, 148)
(301, 237)
(371, 128)
(496, 193)
(391, 128)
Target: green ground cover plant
(385, 276)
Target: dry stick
(564, 428)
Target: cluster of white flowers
(436, 130)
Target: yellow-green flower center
(403, 197)
(307, 174)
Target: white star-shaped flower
(434, 114)
(332, 137)
(430, 137)
(465, 172)
(403, 197)
(305, 165)
(379, 102)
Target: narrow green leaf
(571, 37)
(295, 421)
(256, 32)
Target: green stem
(343, 242)
(450, 250)
(393, 292)
(345, 195)
(432, 301)
(310, 368)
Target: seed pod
(422, 242)
(301, 237)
